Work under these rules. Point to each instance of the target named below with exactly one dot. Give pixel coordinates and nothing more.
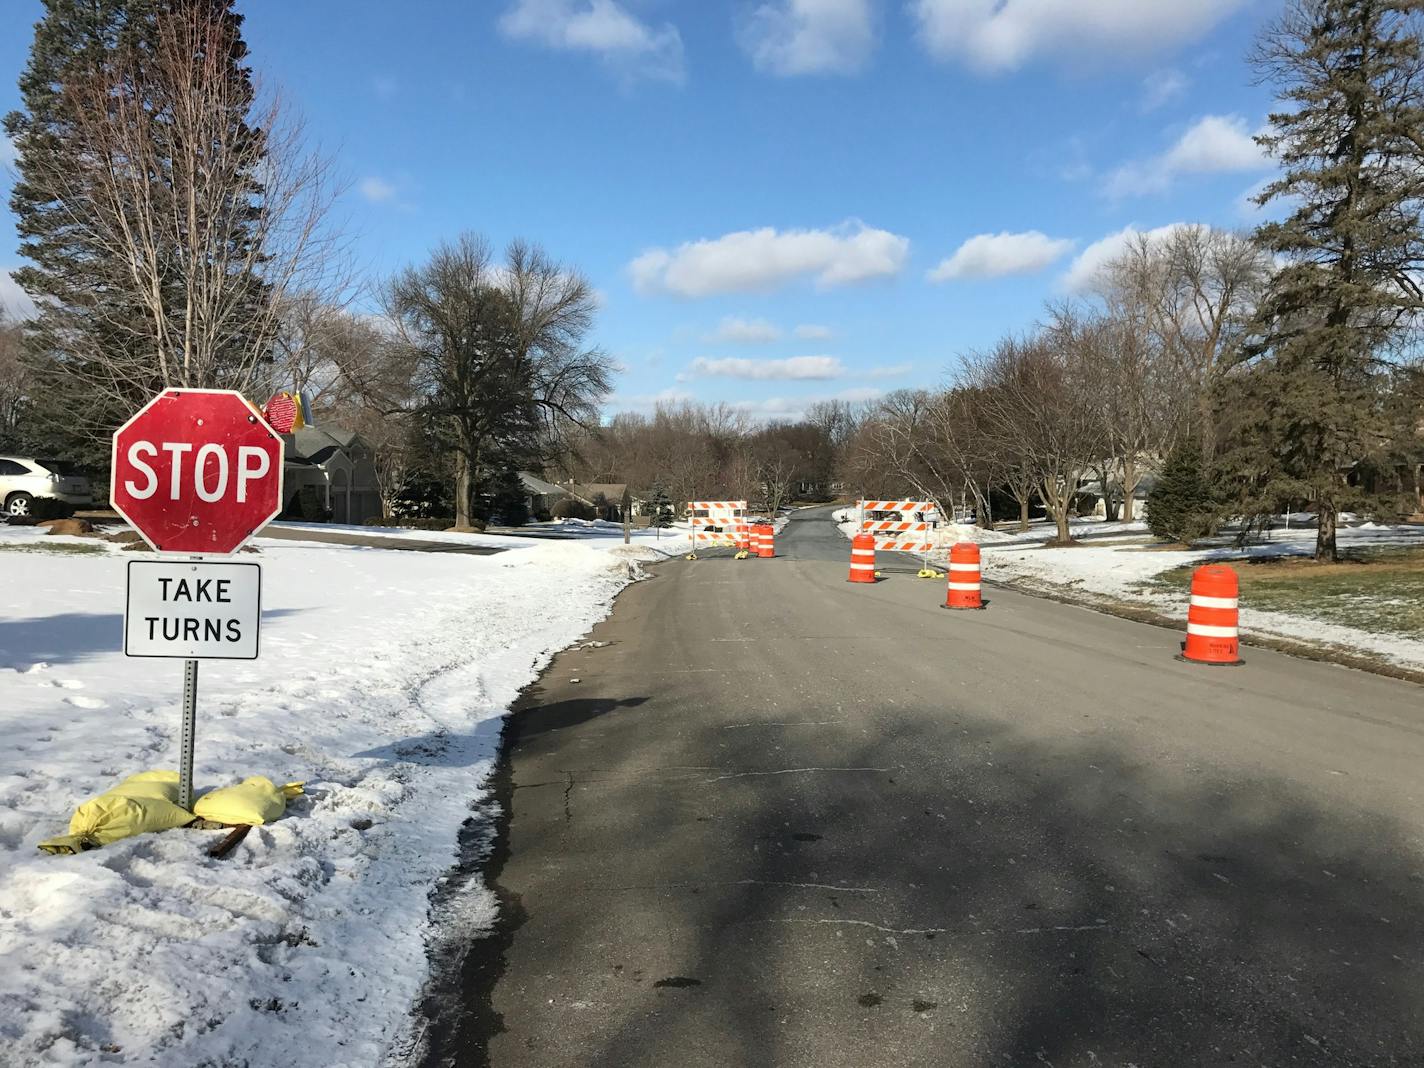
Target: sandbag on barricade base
(253, 802)
(144, 802)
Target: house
(329, 476)
(543, 496)
(606, 498)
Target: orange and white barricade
(964, 580)
(900, 526)
(1212, 618)
(718, 524)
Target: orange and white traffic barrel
(766, 546)
(743, 535)
(1212, 618)
(862, 558)
(964, 579)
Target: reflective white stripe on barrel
(1205, 631)
(1214, 602)
(964, 567)
(967, 586)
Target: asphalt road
(781, 820)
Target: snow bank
(1111, 568)
(382, 683)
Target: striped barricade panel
(716, 522)
(899, 526)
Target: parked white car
(23, 480)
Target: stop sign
(197, 471)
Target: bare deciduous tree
(195, 200)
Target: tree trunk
(986, 514)
(1023, 513)
(464, 489)
(1129, 488)
(1208, 424)
(1109, 505)
(1058, 505)
(1325, 548)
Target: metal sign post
(190, 728)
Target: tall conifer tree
(1350, 142)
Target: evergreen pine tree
(1180, 506)
(1308, 388)
(509, 500)
(662, 509)
(95, 344)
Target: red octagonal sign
(197, 471)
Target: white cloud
(645, 402)
(999, 35)
(996, 255)
(814, 332)
(744, 331)
(1214, 144)
(790, 37)
(1162, 87)
(762, 260)
(376, 189)
(14, 301)
(8, 152)
(604, 28)
(791, 409)
(796, 368)
(1084, 269)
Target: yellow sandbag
(253, 801)
(144, 802)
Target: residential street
(783, 820)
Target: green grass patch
(60, 548)
(1376, 590)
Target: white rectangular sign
(193, 610)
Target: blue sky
(779, 200)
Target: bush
(573, 508)
(1180, 506)
(423, 497)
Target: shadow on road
(1061, 907)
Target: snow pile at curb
(1109, 568)
(382, 684)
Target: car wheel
(18, 504)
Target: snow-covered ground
(382, 683)
(595, 532)
(1113, 560)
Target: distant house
(543, 496)
(329, 476)
(606, 498)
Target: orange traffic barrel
(744, 535)
(766, 545)
(1211, 618)
(964, 583)
(754, 539)
(862, 558)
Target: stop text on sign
(197, 471)
(193, 611)
(209, 470)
